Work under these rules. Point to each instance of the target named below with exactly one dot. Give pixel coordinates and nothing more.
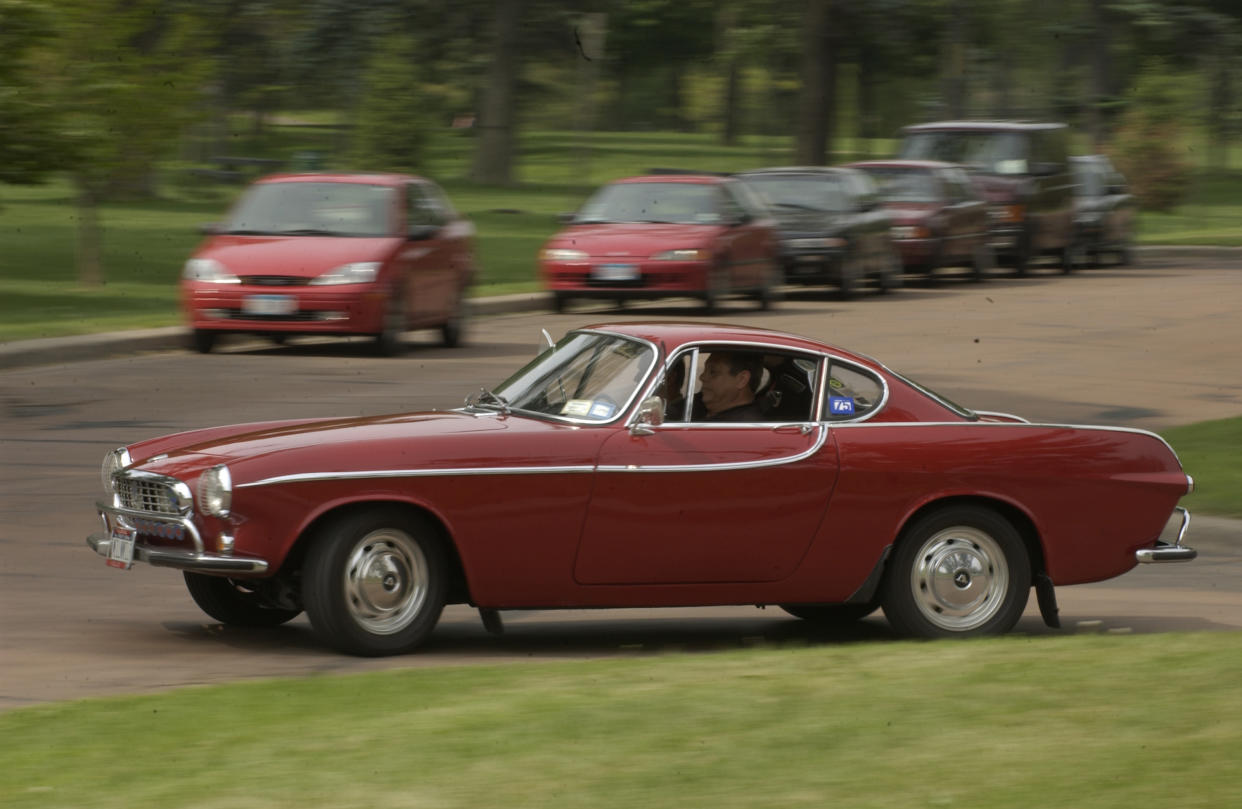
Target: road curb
(50, 350)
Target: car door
(744, 240)
(700, 502)
(426, 258)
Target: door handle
(802, 429)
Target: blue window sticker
(841, 405)
(602, 410)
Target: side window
(728, 384)
(852, 392)
(677, 387)
(421, 208)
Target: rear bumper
(1166, 552)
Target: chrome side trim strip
(998, 414)
(303, 477)
(726, 467)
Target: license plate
(121, 549)
(615, 272)
(270, 305)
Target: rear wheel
(390, 341)
(766, 294)
(452, 333)
(236, 602)
(982, 262)
(717, 287)
(1071, 256)
(559, 301)
(851, 275)
(374, 582)
(959, 572)
(203, 340)
(889, 276)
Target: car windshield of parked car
(992, 152)
(673, 203)
(585, 377)
(314, 209)
(800, 193)
(905, 185)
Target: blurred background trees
(112, 89)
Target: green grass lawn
(1210, 451)
(1090, 722)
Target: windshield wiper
(499, 401)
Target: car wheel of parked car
(851, 276)
(1072, 256)
(374, 581)
(453, 332)
(235, 602)
(982, 262)
(203, 340)
(830, 614)
(957, 572)
(390, 341)
(717, 287)
(559, 301)
(1022, 255)
(889, 276)
(766, 294)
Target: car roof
(903, 164)
(983, 126)
(672, 335)
(704, 179)
(794, 170)
(368, 178)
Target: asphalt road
(1149, 347)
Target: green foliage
(1019, 722)
(392, 125)
(1148, 146)
(28, 145)
(1208, 452)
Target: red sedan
(665, 235)
(648, 464)
(939, 219)
(342, 254)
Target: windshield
(905, 185)
(819, 194)
(314, 209)
(679, 203)
(993, 152)
(585, 377)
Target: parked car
(1104, 210)
(1022, 170)
(939, 219)
(664, 235)
(333, 254)
(832, 227)
(573, 483)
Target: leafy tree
(392, 128)
(28, 144)
(1149, 144)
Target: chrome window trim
(622, 409)
(999, 414)
(870, 414)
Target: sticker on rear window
(841, 405)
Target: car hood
(435, 440)
(303, 256)
(633, 240)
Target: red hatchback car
(648, 464)
(665, 235)
(939, 219)
(341, 254)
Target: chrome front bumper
(195, 559)
(1164, 552)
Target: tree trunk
(1220, 102)
(815, 98)
(493, 157)
(90, 236)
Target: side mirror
(418, 233)
(650, 414)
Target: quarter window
(852, 392)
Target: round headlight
(215, 491)
(113, 462)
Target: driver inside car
(729, 382)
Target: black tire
(1022, 255)
(766, 296)
(850, 276)
(717, 287)
(390, 341)
(453, 330)
(889, 277)
(830, 614)
(1071, 257)
(982, 262)
(559, 301)
(962, 571)
(203, 340)
(374, 582)
(235, 602)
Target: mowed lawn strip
(1209, 452)
(1116, 721)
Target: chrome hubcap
(386, 580)
(960, 578)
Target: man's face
(721, 389)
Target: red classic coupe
(601, 475)
(342, 254)
(665, 235)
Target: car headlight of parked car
(113, 462)
(562, 254)
(208, 270)
(359, 272)
(215, 491)
(684, 254)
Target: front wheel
(453, 330)
(235, 602)
(203, 340)
(390, 341)
(958, 572)
(374, 582)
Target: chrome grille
(145, 495)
